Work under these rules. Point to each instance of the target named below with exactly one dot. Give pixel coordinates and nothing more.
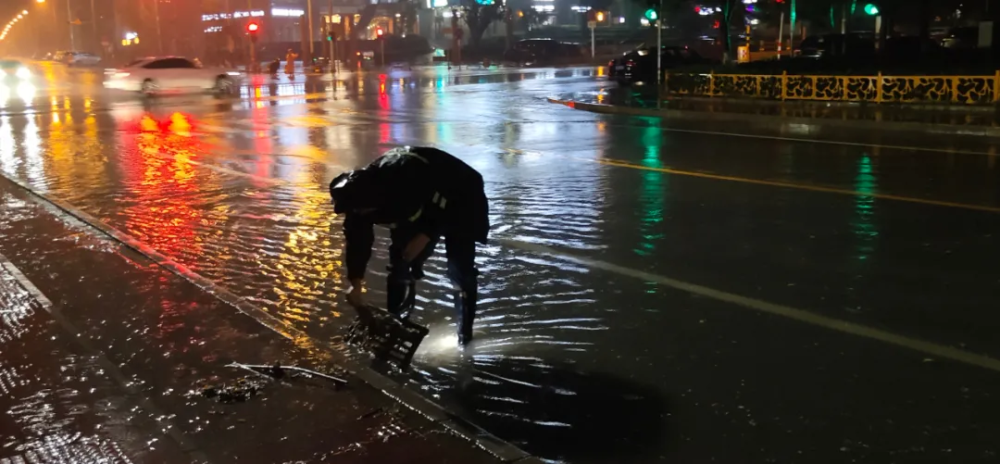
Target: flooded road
(671, 291)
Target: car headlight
(23, 73)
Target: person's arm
(359, 235)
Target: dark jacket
(422, 189)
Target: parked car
(14, 72)
(825, 46)
(170, 74)
(640, 65)
(530, 52)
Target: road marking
(991, 153)
(792, 185)
(928, 348)
(831, 142)
(770, 183)
(112, 370)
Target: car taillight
(630, 63)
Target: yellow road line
(921, 346)
(833, 142)
(991, 153)
(792, 185)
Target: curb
(434, 412)
(981, 131)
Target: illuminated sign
(287, 12)
(238, 14)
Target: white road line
(928, 348)
(106, 365)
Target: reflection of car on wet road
(14, 72)
(172, 74)
(530, 52)
(640, 65)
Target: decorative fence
(876, 89)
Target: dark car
(825, 46)
(640, 65)
(530, 52)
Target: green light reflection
(863, 222)
(652, 197)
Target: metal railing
(876, 89)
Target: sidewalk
(964, 120)
(102, 348)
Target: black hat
(353, 190)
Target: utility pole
(333, 40)
(659, 48)
(791, 28)
(159, 31)
(843, 19)
(69, 21)
(781, 34)
(93, 25)
(309, 18)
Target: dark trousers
(461, 254)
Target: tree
(534, 18)
(478, 16)
(727, 10)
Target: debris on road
(239, 391)
(387, 336)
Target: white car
(14, 72)
(159, 75)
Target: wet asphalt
(655, 290)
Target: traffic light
(379, 33)
(596, 16)
(330, 34)
(871, 9)
(252, 29)
(651, 14)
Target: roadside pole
(69, 20)
(309, 15)
(659, 48)
(93, 26)
(781, 32)
(592, 25)
(333, 50)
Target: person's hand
(416, 245)
(355, 297)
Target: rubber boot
(465, 308)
